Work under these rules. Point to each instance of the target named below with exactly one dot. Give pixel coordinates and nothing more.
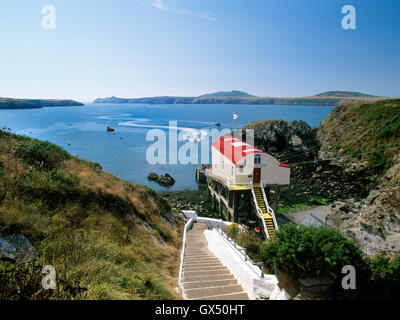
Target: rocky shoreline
(191, 200)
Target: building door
(257, 175)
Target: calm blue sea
(124, 153)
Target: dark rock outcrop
(16, 248)
(165, 180)
(374, 224)
(296, 144)
(279, 135)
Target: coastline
(17, 104)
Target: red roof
(234, 149)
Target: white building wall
(271, 171)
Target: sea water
(82, 132)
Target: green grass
(366, 131)
(313, 202)
(85, 223)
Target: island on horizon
(329, 98)
(10, 103)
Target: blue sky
(136, 48)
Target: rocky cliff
(365, 139)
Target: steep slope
(110, 238)
(359, 136)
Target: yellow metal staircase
(266, 211)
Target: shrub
(43, 154)
(306, 251)
(356, 154)
(379, 161)
(232, 230)
(385, 277)
(319, 201)
(385, 269)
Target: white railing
(188, 226)
(260, 213)
(241, 252)
(269, 209)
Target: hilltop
(239, 97)
(107, 238)
(227, 94)
(345, 94)
(9, 103)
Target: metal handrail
(246, 257)
(269, 209)
(260, 213)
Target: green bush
(384, 280)
(43, 154)
(311, 252)
(385, 269)
(319, 201)
(379, 161)
(389, 131)
(356, 154)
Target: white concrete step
(200, 269)
(218, 271)
(213, 291)
(230, 296)
(208, 277)
(207, 284)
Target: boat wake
(185, 134)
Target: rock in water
(165, 181)
(153, 176)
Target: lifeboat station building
(242, 179)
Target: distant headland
(330, 98)
(9, 103)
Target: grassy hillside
(366, 131)
(114, 239)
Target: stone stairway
(204, 276)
